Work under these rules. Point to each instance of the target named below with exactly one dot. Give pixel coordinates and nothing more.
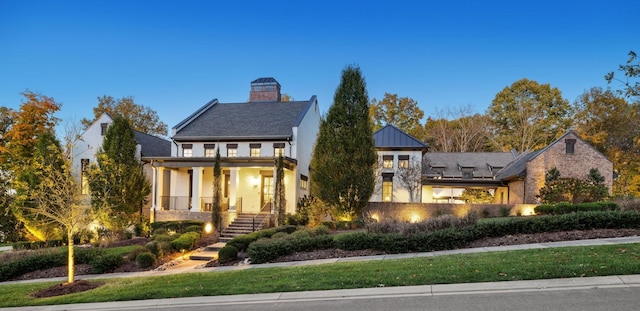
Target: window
(255, 150)
(278, 149)
(387, 161)
(304, 182)
(403, 161)
(232, 150)
(467, 173)
(84, 186)
(570, 147)
(209, 150)
(103, 128)
(387, 187)
(187, 150)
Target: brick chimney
(265, 90)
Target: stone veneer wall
(576, 165)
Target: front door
(267, 190)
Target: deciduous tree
(141, 118)
(343, 161)
(528, 115)
(409, 177)
(631, 71)
(402, 112)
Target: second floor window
(278, 149)
(255, 150)
(232, 150)
(187, 150)
(403, 161)
(209, 150)
(304, 182)
(387, 161)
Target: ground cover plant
(481, 267)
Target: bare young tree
(410, 177)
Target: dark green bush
(54, 243)
(242, 242)
(185, 241)
(266, 250)
(176, 226)
(194, 228)
(155, 248)
(106, 263)
(566, 208)
(32, 263)
(227, 253)
(165, 237)
(86, 255)
(145, 260)
(354, 241)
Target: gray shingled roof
(153, 146)
(484, 164)
(392, 137)
(237, 121)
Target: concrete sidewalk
(193, 266)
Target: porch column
(154, 188)
(233, 188)
(196, 190)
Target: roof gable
(392, 137)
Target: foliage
(117, 183)
(565, 208)
(185, 241)
(459, 130)
(216, 209)
(558, 189)
(141, 118)
(106, 263)
(145, 259)
(162, 227)
(227, 253)
(631, 70)
(528, 115)
(429, 225)
(156, 248)
(344, 155)
(401, 112)
(477, 196)
(609, 123)
(42, 259)
(279, 194)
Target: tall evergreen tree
(342, 168)
(118, 185)
(279, 192)
(216, 209)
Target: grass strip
(549, 263)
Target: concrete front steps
(243, 224)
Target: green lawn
(482, 267)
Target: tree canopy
(342, 167)
(402, 112)
(631, 71)
(528, 115)
(141, 118)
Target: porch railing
(171, 203)
(206, 204)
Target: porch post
(197, 189)
(233, 188)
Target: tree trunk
(70, 262)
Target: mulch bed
(67, 288)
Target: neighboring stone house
(250, 136)
(510, 178)
(84, 152)
(570, 154)
(399, 170)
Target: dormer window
(570, 145)
(187, 150)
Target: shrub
(145, 260)
(280, 235)
(227, 253)
(321, 230)
(165, 238)
(54, 243)
(160, 231)
(185, 241)
(266, 250)
(177, 226)
(154, 248)
(106, 263)
(429, 225)
(565, 208)
(504, 211)
(32, 263)
(86, 255)
(194, 228)
(353, 241)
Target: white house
(250, 136)
(84, 152)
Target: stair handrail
(261, 212)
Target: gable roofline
(561, 138)
(194, 115)
(415, 140)
(304, 111)
(95, 121)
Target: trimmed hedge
(242, 242)
(145, 259)
(227, 253)
(566, 208)
(54, 258)
(177, 226)
(106, 263)
(185, 241)
(265, 250)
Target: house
(570, 154)
(399, 170)
(84, 152)
(508, 177)
(250, 136)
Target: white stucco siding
(89, 143)
(400, 193)
(302, 144)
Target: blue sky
(174, 56)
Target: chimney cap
(267, 80)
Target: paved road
(580, 294)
